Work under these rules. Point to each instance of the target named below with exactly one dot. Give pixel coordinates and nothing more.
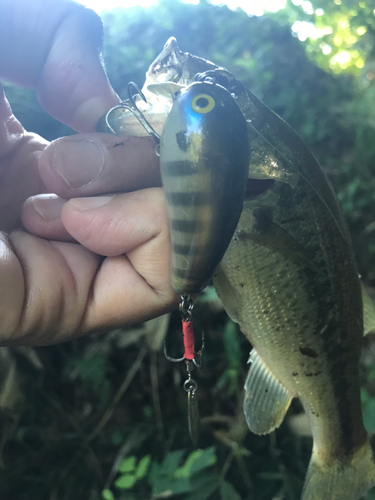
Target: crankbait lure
(204, 158)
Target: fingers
(44, 289)
(112, 225)
(88, 165)
(54, 47)
(70, 290)
(41, 215)
(11, 131)
(132, 229)
(91, 164)
(19, 155)
(73, 86)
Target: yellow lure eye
(202, 103)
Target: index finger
(54, 47)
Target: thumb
(54, 47)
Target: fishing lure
(204, 158)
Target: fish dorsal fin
(165, 89)
(266, 400)
(282, 154)
(368, 311)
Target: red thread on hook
(188, 333)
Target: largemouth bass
(290, 280)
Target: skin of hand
(87, 262)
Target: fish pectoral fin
(368, 311)
(227, 294)
(266, 399)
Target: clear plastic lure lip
(131, 106)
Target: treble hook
(197, 360)
(191, 357)
(130, 105)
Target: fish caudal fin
(266, 399)
(341, 481)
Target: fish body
(204, 158)
(289, 279)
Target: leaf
(185, 469)
(108, 495)
(196, 461)
(172, 461)
(204, 485)
(143, 466)
(205, 460)
(127, 465)
(368, 408)
(126, 481)
(163, 483)
(228, 492)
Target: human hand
(51, 287)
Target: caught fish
(204, 158)
(289, 279)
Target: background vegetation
(105, 417)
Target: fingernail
(79, 162)
(48, 206)
(90, 202)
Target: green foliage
(131, 472)
(108, 495)
(193, 478)
(339, 33)
(368, 408)
(234, 370)
(92, 370)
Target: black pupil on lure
(202, 102)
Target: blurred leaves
(195, 476)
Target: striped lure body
(204, 158)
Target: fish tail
(338, 480)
